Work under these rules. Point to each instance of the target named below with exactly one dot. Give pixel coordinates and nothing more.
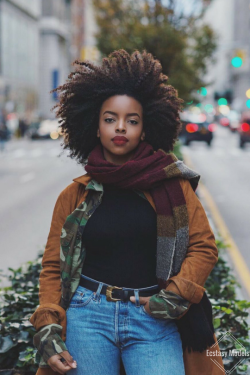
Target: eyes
(109, 120)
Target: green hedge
(19, 301)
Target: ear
(98, 133)
(143, 136)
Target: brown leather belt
(115, 293)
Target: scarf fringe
(196, 326)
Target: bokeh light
(212, 127)
(192, 128)
(237, 62)
(224, 109)
(222, 101)
(195, 110)
(248, 103)
(224, 121)
(202, 91)
(203, 117)
(54, 134)
(245, 127)
(209, 108)
(248, 93)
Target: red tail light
(245, 127)
(192, 128)
(224, 121)
(212, 127)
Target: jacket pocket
(81, 297)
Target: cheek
(105, 132)
(135, 134)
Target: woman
(130, 247)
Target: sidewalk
(222, 231)
(225, 256)
(239, 293)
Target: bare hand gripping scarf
(159, 173)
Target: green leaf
(216, 323)
(6, 344)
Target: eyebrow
(128, 114)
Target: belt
(115, 293)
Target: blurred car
(244, 132)
(32, 129)
(197, 131)
(47, 129)
(5, 133)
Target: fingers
(142, 300)
(68, 358)
(60, 367)
(62, 362)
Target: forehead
(121, 103)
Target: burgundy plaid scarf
(157, 172)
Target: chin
(119, 152)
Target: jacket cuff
(167, 305)
(189, 290)
(48, 343)
(48, 313)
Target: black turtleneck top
(120, 240)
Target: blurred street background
(204, 48)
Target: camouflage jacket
(48, 341)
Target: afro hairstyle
(138, 75)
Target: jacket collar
(89, 182)
(84, 179)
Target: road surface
(225, 170)
(32, 176)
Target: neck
(117, 159)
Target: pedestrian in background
(4, 135)
(130, 246)
(22, 126)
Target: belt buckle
(109, 293)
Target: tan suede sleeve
(202, 253)
(49, 311)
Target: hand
(62, 367)
(143, 301)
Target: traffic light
(223, 98)
(236, 62)
(202, 91)
(222, 101)
(239, 58)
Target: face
(120, 128)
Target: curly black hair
(138, 75)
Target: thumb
(68, 358)
(132, 299)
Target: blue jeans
(100, 332)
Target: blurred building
(67, 30)
(78, 28)
(39, 40)
(240, 75)
(83, 42)
(19, 55)
(54, 51)
(230, 74)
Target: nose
(121, 128)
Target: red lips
(120, 138)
